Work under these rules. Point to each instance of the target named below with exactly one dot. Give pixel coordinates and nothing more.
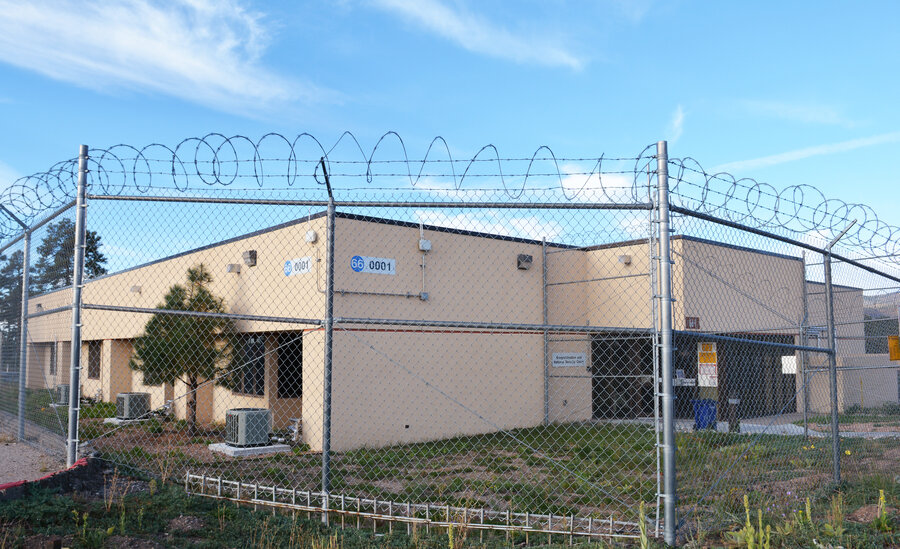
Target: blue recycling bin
(704, 414)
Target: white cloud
(204, 51)
(479, 35)
(494, 222)
(7, 176)
(808, 152)
(806, 112)
(676, 126)
(602, 188)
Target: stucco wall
(738, 290)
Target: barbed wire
(800, 209)
(275, 162)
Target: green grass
(586, 469)
(152, 515)
(145, 516)
(887, 414)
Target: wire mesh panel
(478, 342)
(35, 393)
(755, 363)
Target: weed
(113, 489)
(752, 537)
(835, 527)
(642, 524)
(882, 521)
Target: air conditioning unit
(132, 405)
(247, 427)
(62, 395)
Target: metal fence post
(665, 258)
(77, 283)
(546, 333)
(832, 356)
(23, 333)
(329, 343)
(804, 341)
(23, 321)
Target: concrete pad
(234, 451)
(118, 422)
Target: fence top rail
(493, 205)
(748, 341)
(780, 238)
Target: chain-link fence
(525, 346)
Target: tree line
(54, 269)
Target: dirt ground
(19, 461)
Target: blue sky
(786, 93)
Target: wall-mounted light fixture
(135, 289)
(249, 258)
(625, 259)
(234, 268)
(524, 261)
(311, 236)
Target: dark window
(290, 365)
(94, 348)
(53, 359)
(252, 366)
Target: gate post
(329, 345)
(668, 405)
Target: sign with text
(707, 365)
(692, 323)
(569, 360)
(301, 265)
(375, 265)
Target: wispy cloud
(7, 175)
(479, 35)
(806, 112)
(808, 152)
(204, 51)
(676, 125)
(493, 222)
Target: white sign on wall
(707, 365)
(569, 360)
(788, 364)
(301, 265)
(376, 265)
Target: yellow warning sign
(894, 347)
(707, 365)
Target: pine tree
(55, 266)
(10, 309)
(193, 349)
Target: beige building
(421, 377)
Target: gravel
(20, 461)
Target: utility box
(132, 405)
(247, 427)
(62, 395)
